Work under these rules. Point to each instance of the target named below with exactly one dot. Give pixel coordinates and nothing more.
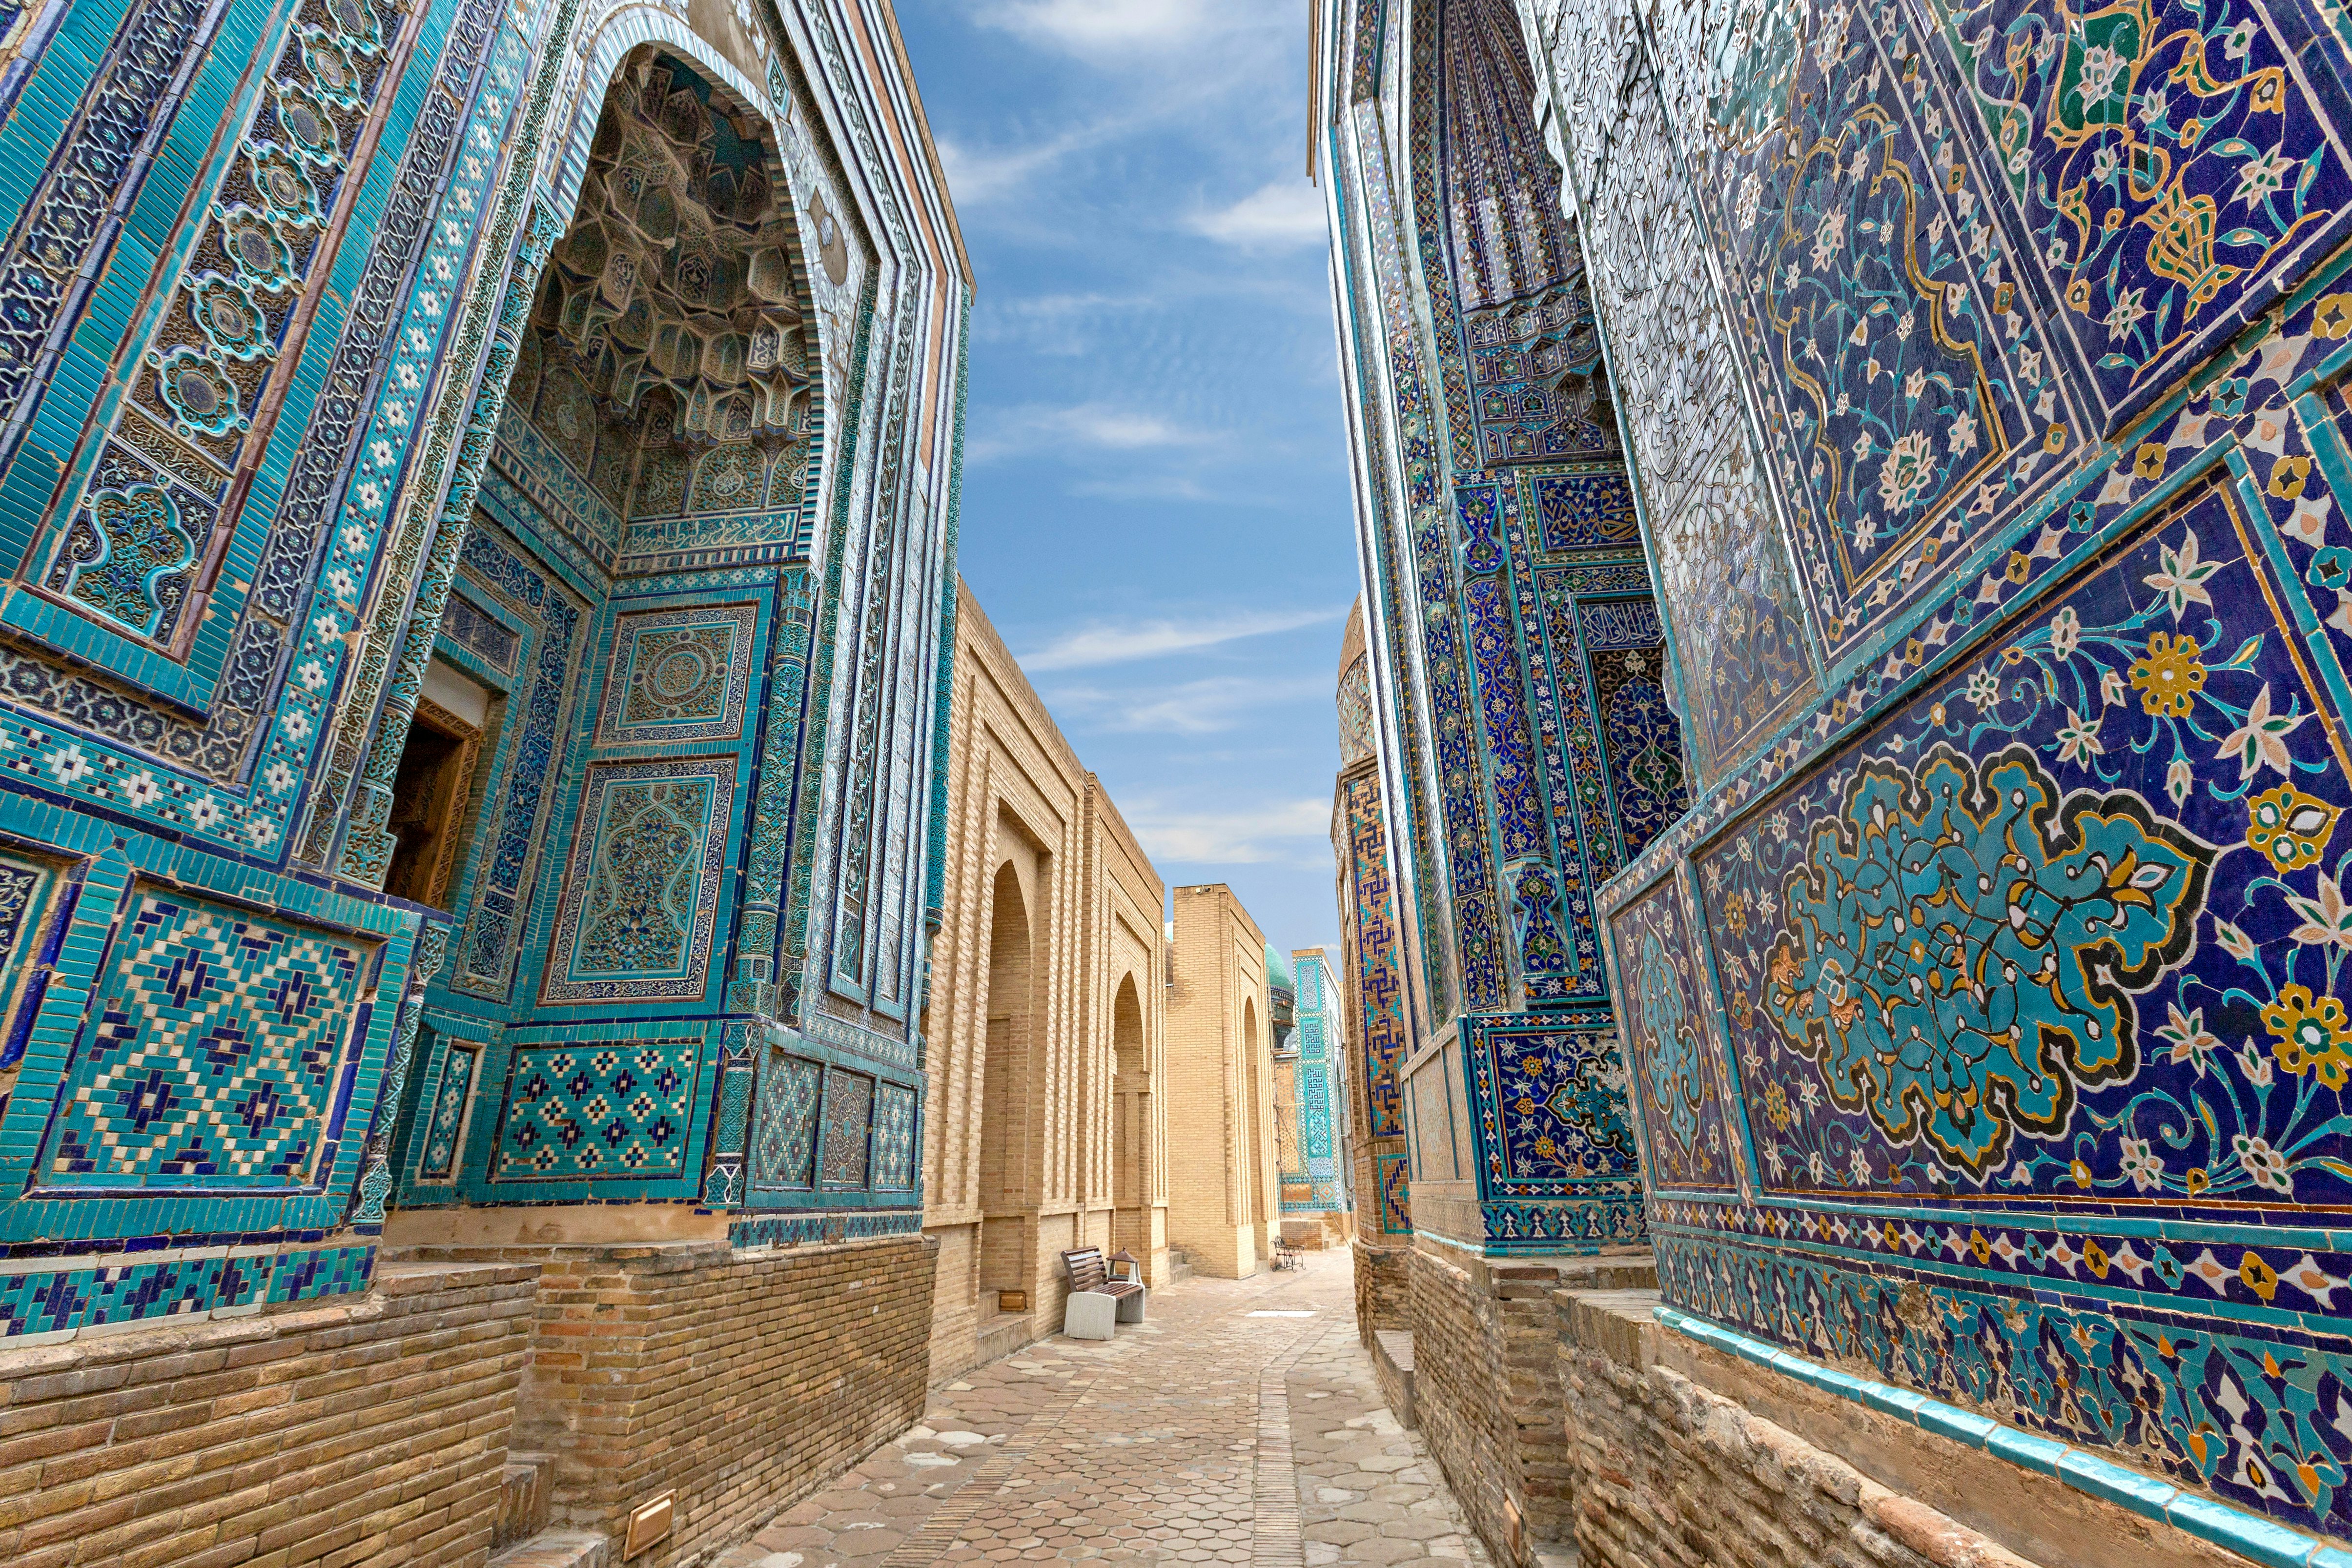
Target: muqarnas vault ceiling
(668, 364)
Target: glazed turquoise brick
(2025, 1449)
(2272, 1545)
(2141, 1494)
(1893, 1401)
(44, 1302)
(1957, 1425)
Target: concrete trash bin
(1090, 1314)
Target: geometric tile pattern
(783, 1142)
(616, 1110)
(848, 1117)
(679, 675)
(894, 1138)
(640, 901)
(1396, 1195)
(213, 1055)
(1379, 979)
(446, 1112)
(46, 1301)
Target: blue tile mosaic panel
(217, 1053)
(611, 1111)
(1625, 662)
(679, 675)
(894, 1138)
(1674, 1052)
(1380, 978)
(783, 1137)
(846, 1152)
(442, 1137)
(1555, 1156)
(640, 898)
(1578, 511)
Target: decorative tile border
(2251, 1536)
(47, 1302)
(805, 1229)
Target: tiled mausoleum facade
(1978, 1023)
(1310, 1138)
(480, 484)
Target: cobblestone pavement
(1242, 1423)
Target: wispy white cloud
(1126, 642)
(1098, 425)
(1292, 833)
(1096, 29)
(1195, 707)
(1284, 215)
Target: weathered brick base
(1383, 1289)
(360, 1435)
(1684, 1457)
(743, 1381)
(1487, 1398)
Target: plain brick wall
(1036, 1131)
(1383, 1288)
(359, 1434)
(742, 1381)
(1222, 1193)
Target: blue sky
(1155, 499)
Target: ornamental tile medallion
(679, 675)
(640, 898)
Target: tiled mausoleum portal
(1978, 371)
(1310, 1137)
(479, 481)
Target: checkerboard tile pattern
(213, 1054)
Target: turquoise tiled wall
(266, 275)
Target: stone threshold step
(559, 1548)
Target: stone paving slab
(1162, 1446)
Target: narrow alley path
(1240, 1425)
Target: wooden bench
(1089, 1275)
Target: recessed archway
(1005, 1092)
(1130, 1125)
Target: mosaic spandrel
(2061, 928)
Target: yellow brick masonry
(1221, 1171)
(1045, 1127)
(359, 1434)
(742, 1381)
